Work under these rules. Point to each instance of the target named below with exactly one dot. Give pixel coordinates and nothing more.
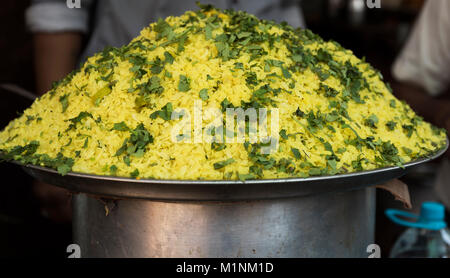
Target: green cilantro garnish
(134, 174)
(283, 134)
(121, 126)
(391, 125)
(299, 113)
(392, 103)
(165, 113)
(244, 177)
(146, 90)
(64, 102)
(78, 119)
(221, 164)
(296, 153)
(218, 146)
(407, 150)
(371, 121)
(97, 98)
(136, 144)
(168, 58)
(226, 104)
(113, 170)
(238, 66)
(184, 84)
(156, 66)
(86, 142)
(204, 94)
(126, 160)
(408, 129)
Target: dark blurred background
(377, 34)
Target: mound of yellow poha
(114, 115)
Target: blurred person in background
(422, 72)
(63, 37)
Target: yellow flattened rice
(114, 115)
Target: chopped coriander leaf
(68, 143)
(163, 29)
(29, 119)
(299, 113)
(204, 94)
(24, 151)
(296, 153)
(408, 129)
(388, 86)
(328, 91)
(238, 66)
(208, 31)
(332, 163)
(97, 98)
(138, 70)
(357, 164)
(27, 155)
(333, 116)
(251, 79)
(371, 121)
(78, 119)
(392, 103)
(221, 164)
(244, 177)
(389, 154)
(136, 144)
(391, 125)
(86, 141)
(152, 86)
(407, 150)
(314, 171)
(165, 113)
(327, 146)
(184, 84)
(156, 66)
(64, 102)
(315, 121)
(113, 170)
(168, 58)
(323, 56)
(122, 126)
(65, 166)
(134, 174)
(126, 160)
(286, 72)
(283, 134)
(218, 146)
(226, 104)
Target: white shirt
(425, 59)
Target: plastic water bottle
(427, 236)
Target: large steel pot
(327, 216)
(325, 225)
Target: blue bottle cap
(431, 217)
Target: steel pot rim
(217, 190)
